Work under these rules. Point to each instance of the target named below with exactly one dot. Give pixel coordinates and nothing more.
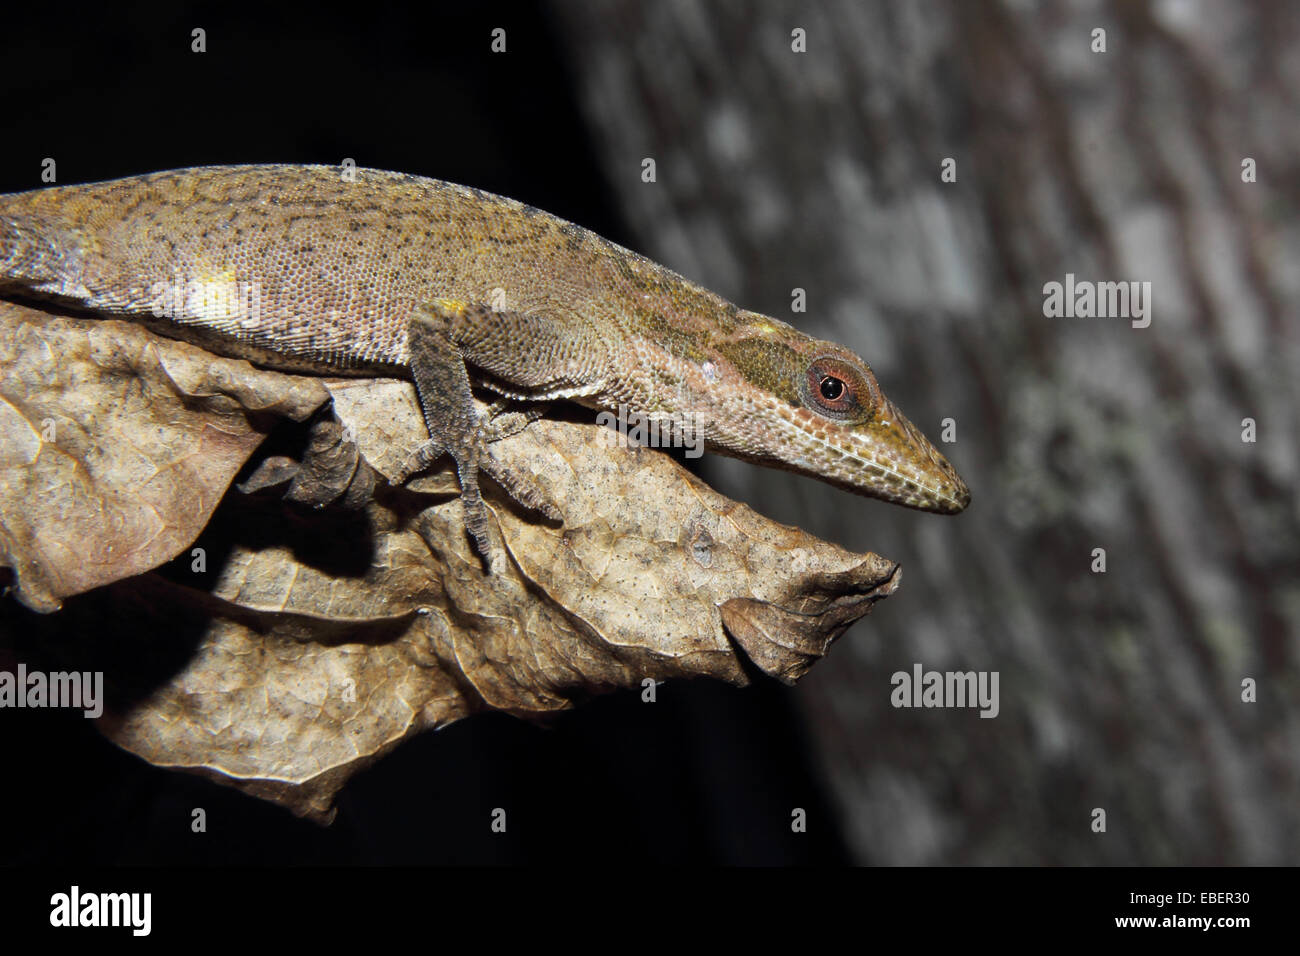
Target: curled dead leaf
(339, 614)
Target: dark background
(1119, 691)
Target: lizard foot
(468, 459)
(442, 384)
(419, 460)
(521, 487)
(504, 421)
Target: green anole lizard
(306, 268)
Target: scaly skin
(297, 267)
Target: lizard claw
(521, 487)
(418, 460)
(502, 423)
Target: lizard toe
(521, 487)
(418, 460)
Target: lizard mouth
(888, 458)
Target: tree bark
(1120, 691)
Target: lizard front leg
(526, 356)
(442, 385)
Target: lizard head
(815, 407)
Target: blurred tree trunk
(820, 170)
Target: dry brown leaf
(329, 632)
(116, 445)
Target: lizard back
(298, 267)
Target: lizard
(323, 270)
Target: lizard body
(304, 269)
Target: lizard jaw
(890, 459)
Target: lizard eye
(837, 390)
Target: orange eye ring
(837, 390)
